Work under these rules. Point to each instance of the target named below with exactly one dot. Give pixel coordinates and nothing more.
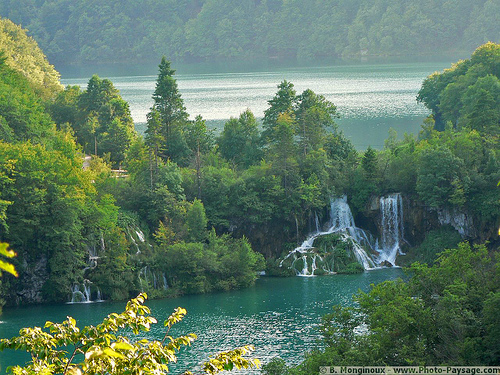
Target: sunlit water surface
(279, 316)
(370, 98)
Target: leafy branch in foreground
(5, 266)
(108, 349)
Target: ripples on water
(369, 98)
(279, 316)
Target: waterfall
(391, 208)
(316, 221)
(137, 237)
(81, 292)
(342, 222)
(151, 279)
(165, 285)
(85, 294)
(99, 297)
(340, 215)
(103, 245)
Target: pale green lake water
(370, 98)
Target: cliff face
(33, 274)
(419, 219)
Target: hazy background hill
(140, 31)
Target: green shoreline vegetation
(182, 211)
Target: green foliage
(238, 142)
(49, 194)
(103, 124)
(24, 56)
(210, 30)
(196, 221)
(5, 266)
(111, 347)
(442, 314)
(283, 103)
(223, 263)
(22, 115)
(439, 178)
(276, 366)
(435, 242)
(168, 118)
(467, 94)
(314, 116)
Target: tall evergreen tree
(172, 117)
(283, 102)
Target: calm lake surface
(280, 316)
(370, 98)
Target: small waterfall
(103, 245)
(85, 294)
(391, 208)
(140, 235)
(138, 238)
(342, 222)
(165, 285)
(99, 297)
(151, 279)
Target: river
(279, 316)
(370, 99)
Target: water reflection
(369, 98)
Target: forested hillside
(141, 31)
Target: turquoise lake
(279, 316)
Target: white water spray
(342, 222)
(391, 208)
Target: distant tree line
(196, 30)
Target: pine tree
(172, 117)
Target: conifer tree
(172, 117)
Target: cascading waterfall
(342, 222)
(137, 237)
(391, 208)
(85, 294)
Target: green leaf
(7, 267)
(111, 353)
(122, 346)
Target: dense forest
(142, 31)
(94, 210)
